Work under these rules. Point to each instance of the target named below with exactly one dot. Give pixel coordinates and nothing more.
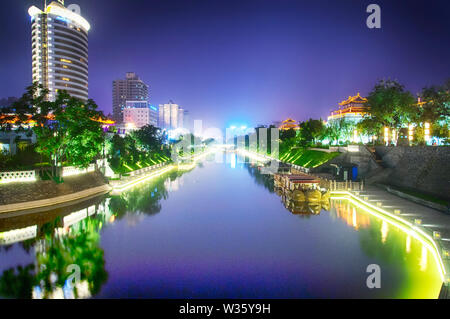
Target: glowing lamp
(386, 134)
(446, 253)
(437, 235)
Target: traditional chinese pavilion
(353, 108)
(289, 124)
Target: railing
(17, 176)
(71, 170)
(333, 185)
(146, 169)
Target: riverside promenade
(431, 225)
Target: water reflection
(253, 247)
(66, 238)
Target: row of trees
(143, 147)
(69, 131)
(390, 105)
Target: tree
(436, 110)
(311, 131)
(67, 129)
(149, 138)
(21, 110)
(391, 105)
(436, 107)
(339, 130)
(370, 127)
(287, 134)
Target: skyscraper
(170, 116)
(132, 88)
(60, 49)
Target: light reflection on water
(218, 231)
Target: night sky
(245, 62)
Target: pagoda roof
(354, 99)
(289, 121)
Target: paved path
(432, 220)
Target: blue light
(62, 19)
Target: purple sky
(245, 61)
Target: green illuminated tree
(436, 107)
(67, 129)
(370, 127)
(311, 131)
(391, 105)
(149, 138)
(436, 110)
(339, 130)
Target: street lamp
(410, 133)
(427, 131)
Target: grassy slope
(156, 158)
(307, 158)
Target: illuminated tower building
(352, 109)
(171, 116)
(132, 88)
(60, 49)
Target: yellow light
(427, 125)
(384, 231)
(253, 156)
(404, 225)
(65, 79)
(121, 188)
(65, 60)
(66, 13)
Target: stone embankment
(422, 168)
(16, 193)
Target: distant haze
(245, 62)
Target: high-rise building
(153, 115)
(171, 116)
(187, 121)
(60, 49)
(132, 88)
(137, 114)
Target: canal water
(216, 231)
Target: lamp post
(410, 133)
(427, 132)
(386, 135)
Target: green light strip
(400, 223)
